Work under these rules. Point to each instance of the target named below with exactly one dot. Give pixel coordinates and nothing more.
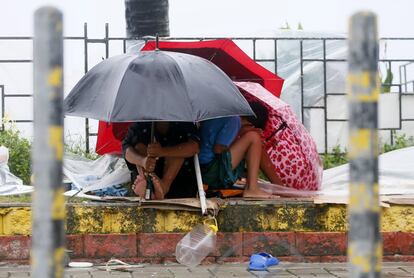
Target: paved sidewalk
(219, 271)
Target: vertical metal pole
(302, 92)
(3, 107)
(106, 40)
(405, 77)
(86, 68)
(124, 45)
(325, 97)
(399, 74)
(48, 246)
(364, 242)
(254, 49)
(275, 48)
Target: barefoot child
(169, 161)
(223, 152)
(258, 124)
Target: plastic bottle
(196, 245)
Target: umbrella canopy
(291, 148)
(155, 86)
(225, 54)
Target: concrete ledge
(231, 247)
(270, 216)
(296, 231)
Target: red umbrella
(110, 137)
(228, 57)
(223, 53)
(289, 145)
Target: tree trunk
(146, 18)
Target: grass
(27, 198)
(335, 158)
(400, 141)
(78, 148)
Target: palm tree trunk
(146, 18)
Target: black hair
(261, 115)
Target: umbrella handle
(152, 138)
(201, 192)
(149, 189)
(150, 186)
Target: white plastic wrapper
(313, 84)
(396, 175)
(85, 174)
(4, 155)
(9, 183)
(88, 175)
(289, 67)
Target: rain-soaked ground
(225, 271)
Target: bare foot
(241, 183)
(139, 186)
(158, 189)
(249, 193)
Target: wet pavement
(218, 271)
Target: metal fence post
(48, 249)
(364, 241)
(86, 68)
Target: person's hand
(149, 164)
(155, 150)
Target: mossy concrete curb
(269, 216)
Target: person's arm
(227, 135)
(134, 149)
(137, 156)
(189, 143)
(184, 150)
(218, 148)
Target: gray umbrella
(155, 86)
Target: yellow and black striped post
(48, 244)
(364, 241)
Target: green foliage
(285, 27)
(19, 151)
(338, 157)
(23, 198)
(400, 141)
(78, 148)
(27, 198)
(20, 148)
(386, 88)
(335, 158)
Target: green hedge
(19, 153)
